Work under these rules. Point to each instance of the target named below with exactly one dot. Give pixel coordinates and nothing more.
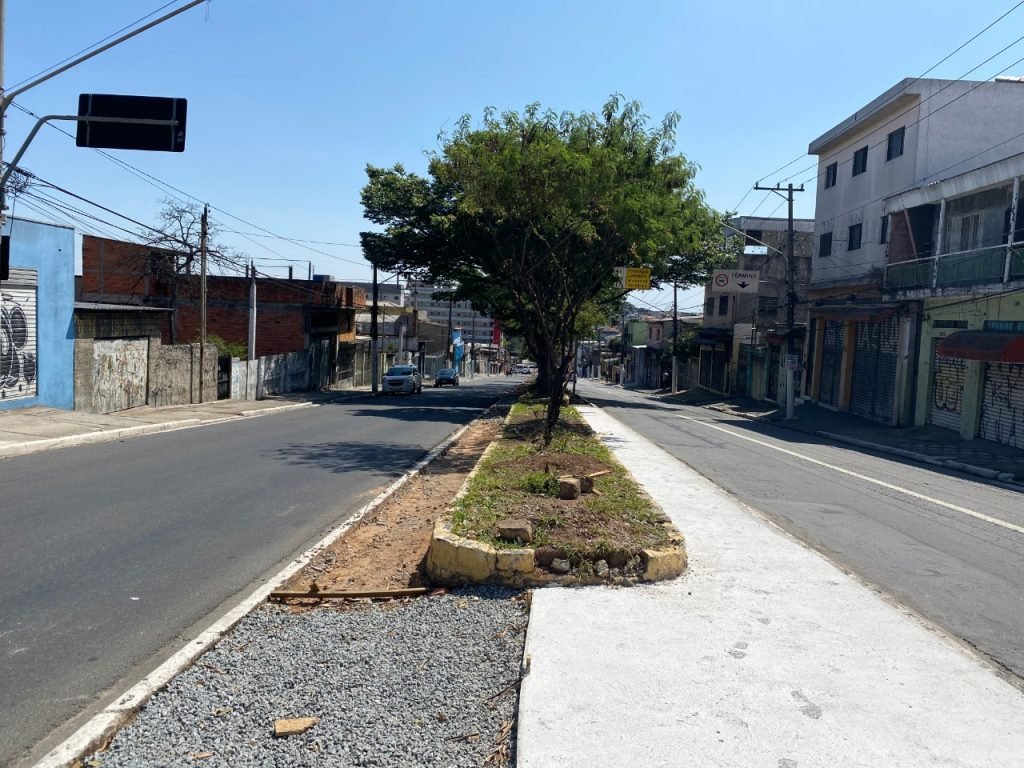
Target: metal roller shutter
(19, 362)
(873, 386)
(831, 362)
(1002, 405)
(947, 391)
(774, 360)
(704, 375)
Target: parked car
(402, 379)
(446, 376)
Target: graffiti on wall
(1002, 407)
(18, 368)
(948, 384)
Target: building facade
(36, 317)
(878, 226)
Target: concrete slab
(763, 653)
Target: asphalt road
(948, 547)
(113, 555)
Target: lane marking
(865, 478)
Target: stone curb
(87, 438)
(454, 560)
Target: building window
(767, 303)
(894, 147)
(830, 175)
(753, 236)
(853, 238)
(860, 161)
(723, 305)
(883, 236)
(825, 245)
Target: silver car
(402, 379)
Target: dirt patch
(387, 549)
(555, 464)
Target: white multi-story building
(476, 328)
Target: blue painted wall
(50, 250)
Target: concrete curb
(105, 723)
(87, 438)
(960, 466)
(455, 560)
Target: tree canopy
(529, 214)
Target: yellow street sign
(634, 278)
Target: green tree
(530, 213)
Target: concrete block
(661, 564)
(514, 561)
(516, 528)
(475, 561)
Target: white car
(402, 379)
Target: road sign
(734, 281)
(114, 135)
(634, 278)
(755, 250)
(792, 362)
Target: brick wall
(119, 272)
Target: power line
(919, 77)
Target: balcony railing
(983, 266)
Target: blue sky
(289, 100)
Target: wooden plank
(287, 594)
(290, 726)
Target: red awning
(990, 346)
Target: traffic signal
(122, 135)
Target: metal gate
(704, 375)
(947, 391)
(873, 387)
(774, 358)
(19, 366)
(1002, 405)
(831, 362)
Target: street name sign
(755, 250)
(734, 281)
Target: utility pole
(675, 336)
(449, 355)
(252, 311)
(790, 293)
(472, 347)
(597, 333)
(204, 230)
(374, 360)
(622, 349)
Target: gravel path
(394, 684)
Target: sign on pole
(168, 137)
(634, 278)
(734, 281)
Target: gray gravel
(394, 684)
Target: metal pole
(449, 354)
(252, 312)
(202, 306)
(472, 347)
(675, 336)
(622, 349)
(5, 102)
(374, 361)
(790, 311)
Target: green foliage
(541, 483)
(530, 213)
(233, 348)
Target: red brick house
(291, 315)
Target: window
(853, 238)
(894, 147)
(767, 303)
(825, 245)
(753, 236)
(860, 161)
(883, 236)
(830, 175)
(723, 305)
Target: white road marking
(865, 478)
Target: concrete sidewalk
(762, 654)
(30, 430)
